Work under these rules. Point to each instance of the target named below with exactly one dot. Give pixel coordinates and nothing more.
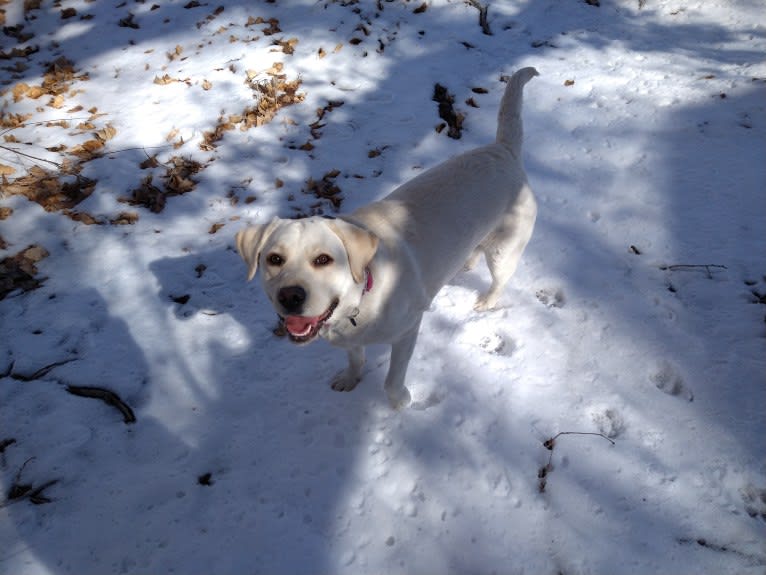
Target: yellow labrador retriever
(367, 277)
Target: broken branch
(107, 396)
(482, 15)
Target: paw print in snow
(497, 344)
(668, 380)
(754, 500)
(609, 422)
(551, 298)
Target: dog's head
(308, 268)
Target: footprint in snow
(497, 344)
(480, 333)
(609, 421)
(551, 298)
(667, 379)
(754, 499)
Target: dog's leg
(473, 260)
(401, 352)
(347, 379)
(503, 249)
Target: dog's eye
(275, 260)
(322, 260)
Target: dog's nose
(292, 298)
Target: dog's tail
(510, 130)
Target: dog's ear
(249, 243)
(360, 245)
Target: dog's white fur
(368, 277)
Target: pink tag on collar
(368, 285)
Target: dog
(367, 277)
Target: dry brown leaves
(50, 189)
(326, 190)
(17, 32)
(10, 121)
(166, 79)
(272, 94)
(92, 148)
(317, 125)
(57, 81)
(453, 119)
(177, 180)
(19, 271)
(64, 188)
(271, 28)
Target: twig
(162, 147)
(706, 267)
(39, 123)
(20, 490)
(40, 372)
(482, 15)
(549, 444)
(31, 157)
(107, 396)
(702, 542)
(36, 495)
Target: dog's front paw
(398, 397)
(346, 380)
(484, 303)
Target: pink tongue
(299, 325)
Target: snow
(634, 313)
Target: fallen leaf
(181, 299)
(150, 162)
(147, 195)
(86, 126)
(48, 190)
(13, 120)
(106, 133)
(128, 22)
(19, 271)
(87, 150)
(124, 219)
(164, 80)
(82, 217)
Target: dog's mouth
(302, 329)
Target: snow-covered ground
(637, 313)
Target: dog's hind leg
(401, 352)
(504, 246)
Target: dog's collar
(368, 281)
(367, 287)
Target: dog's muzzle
(303, 329)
